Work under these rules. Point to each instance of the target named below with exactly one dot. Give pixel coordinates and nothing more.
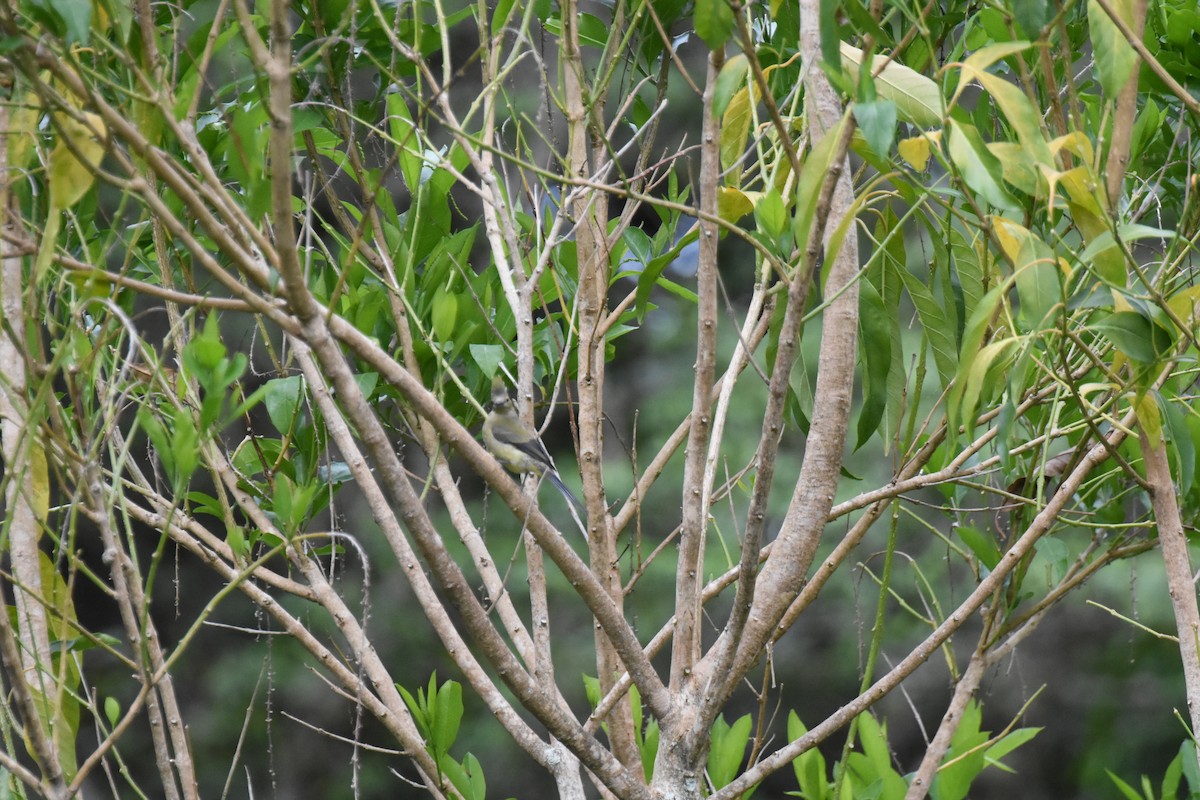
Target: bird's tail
(576, 507)
(552, 476)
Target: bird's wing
(530, 447)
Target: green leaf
(1008, 743)
(447, 717)
(809, 186)
(651, 276)
(770, 215)
(982, 544)
(405, 140)
(1125, 789)
(809, 766)
(933, 321)
(1039, 290)
(730, 79)
(877, 120)
(1131, 333)
(282, 399)
(1119, 58)
(875, 350)
(75, 16)
(954, 780)
(735, 127)
(112, 710)
(968, 269)
(827, 24)
(727, 750)
(1179, 442)
(488, 357)
(1031, 16)
(444, 314)
(478, 787)
(974, 333)
(1021, 114)
(980, 170)
(983, 379)
(1172, 777)
(714, 22)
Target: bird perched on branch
(517, 447)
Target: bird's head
(500, 399)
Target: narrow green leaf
(447, 716)
(1010, 742)
(983, 379)
(727, 750)
(980, 170)
(816, 165)
(968, 269)
(875, 351)
(828, 29)
(1125, 789)
(1179, 442)
(933, 321)
(406, 141)
(1119, 58)
(730, 79)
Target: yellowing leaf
(918, 99)
(1149, 417)
(984, 57)
(39, 482)
(1021, 114)
(1081, 186)
(1183, 304)
(1074, 142)
(1011, 236)
(22, 129)
(1016, 166)
(733, 204)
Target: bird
(517, 447)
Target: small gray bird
(515, 446)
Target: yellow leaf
(70, 178)
(916, 151)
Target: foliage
(909, 298)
